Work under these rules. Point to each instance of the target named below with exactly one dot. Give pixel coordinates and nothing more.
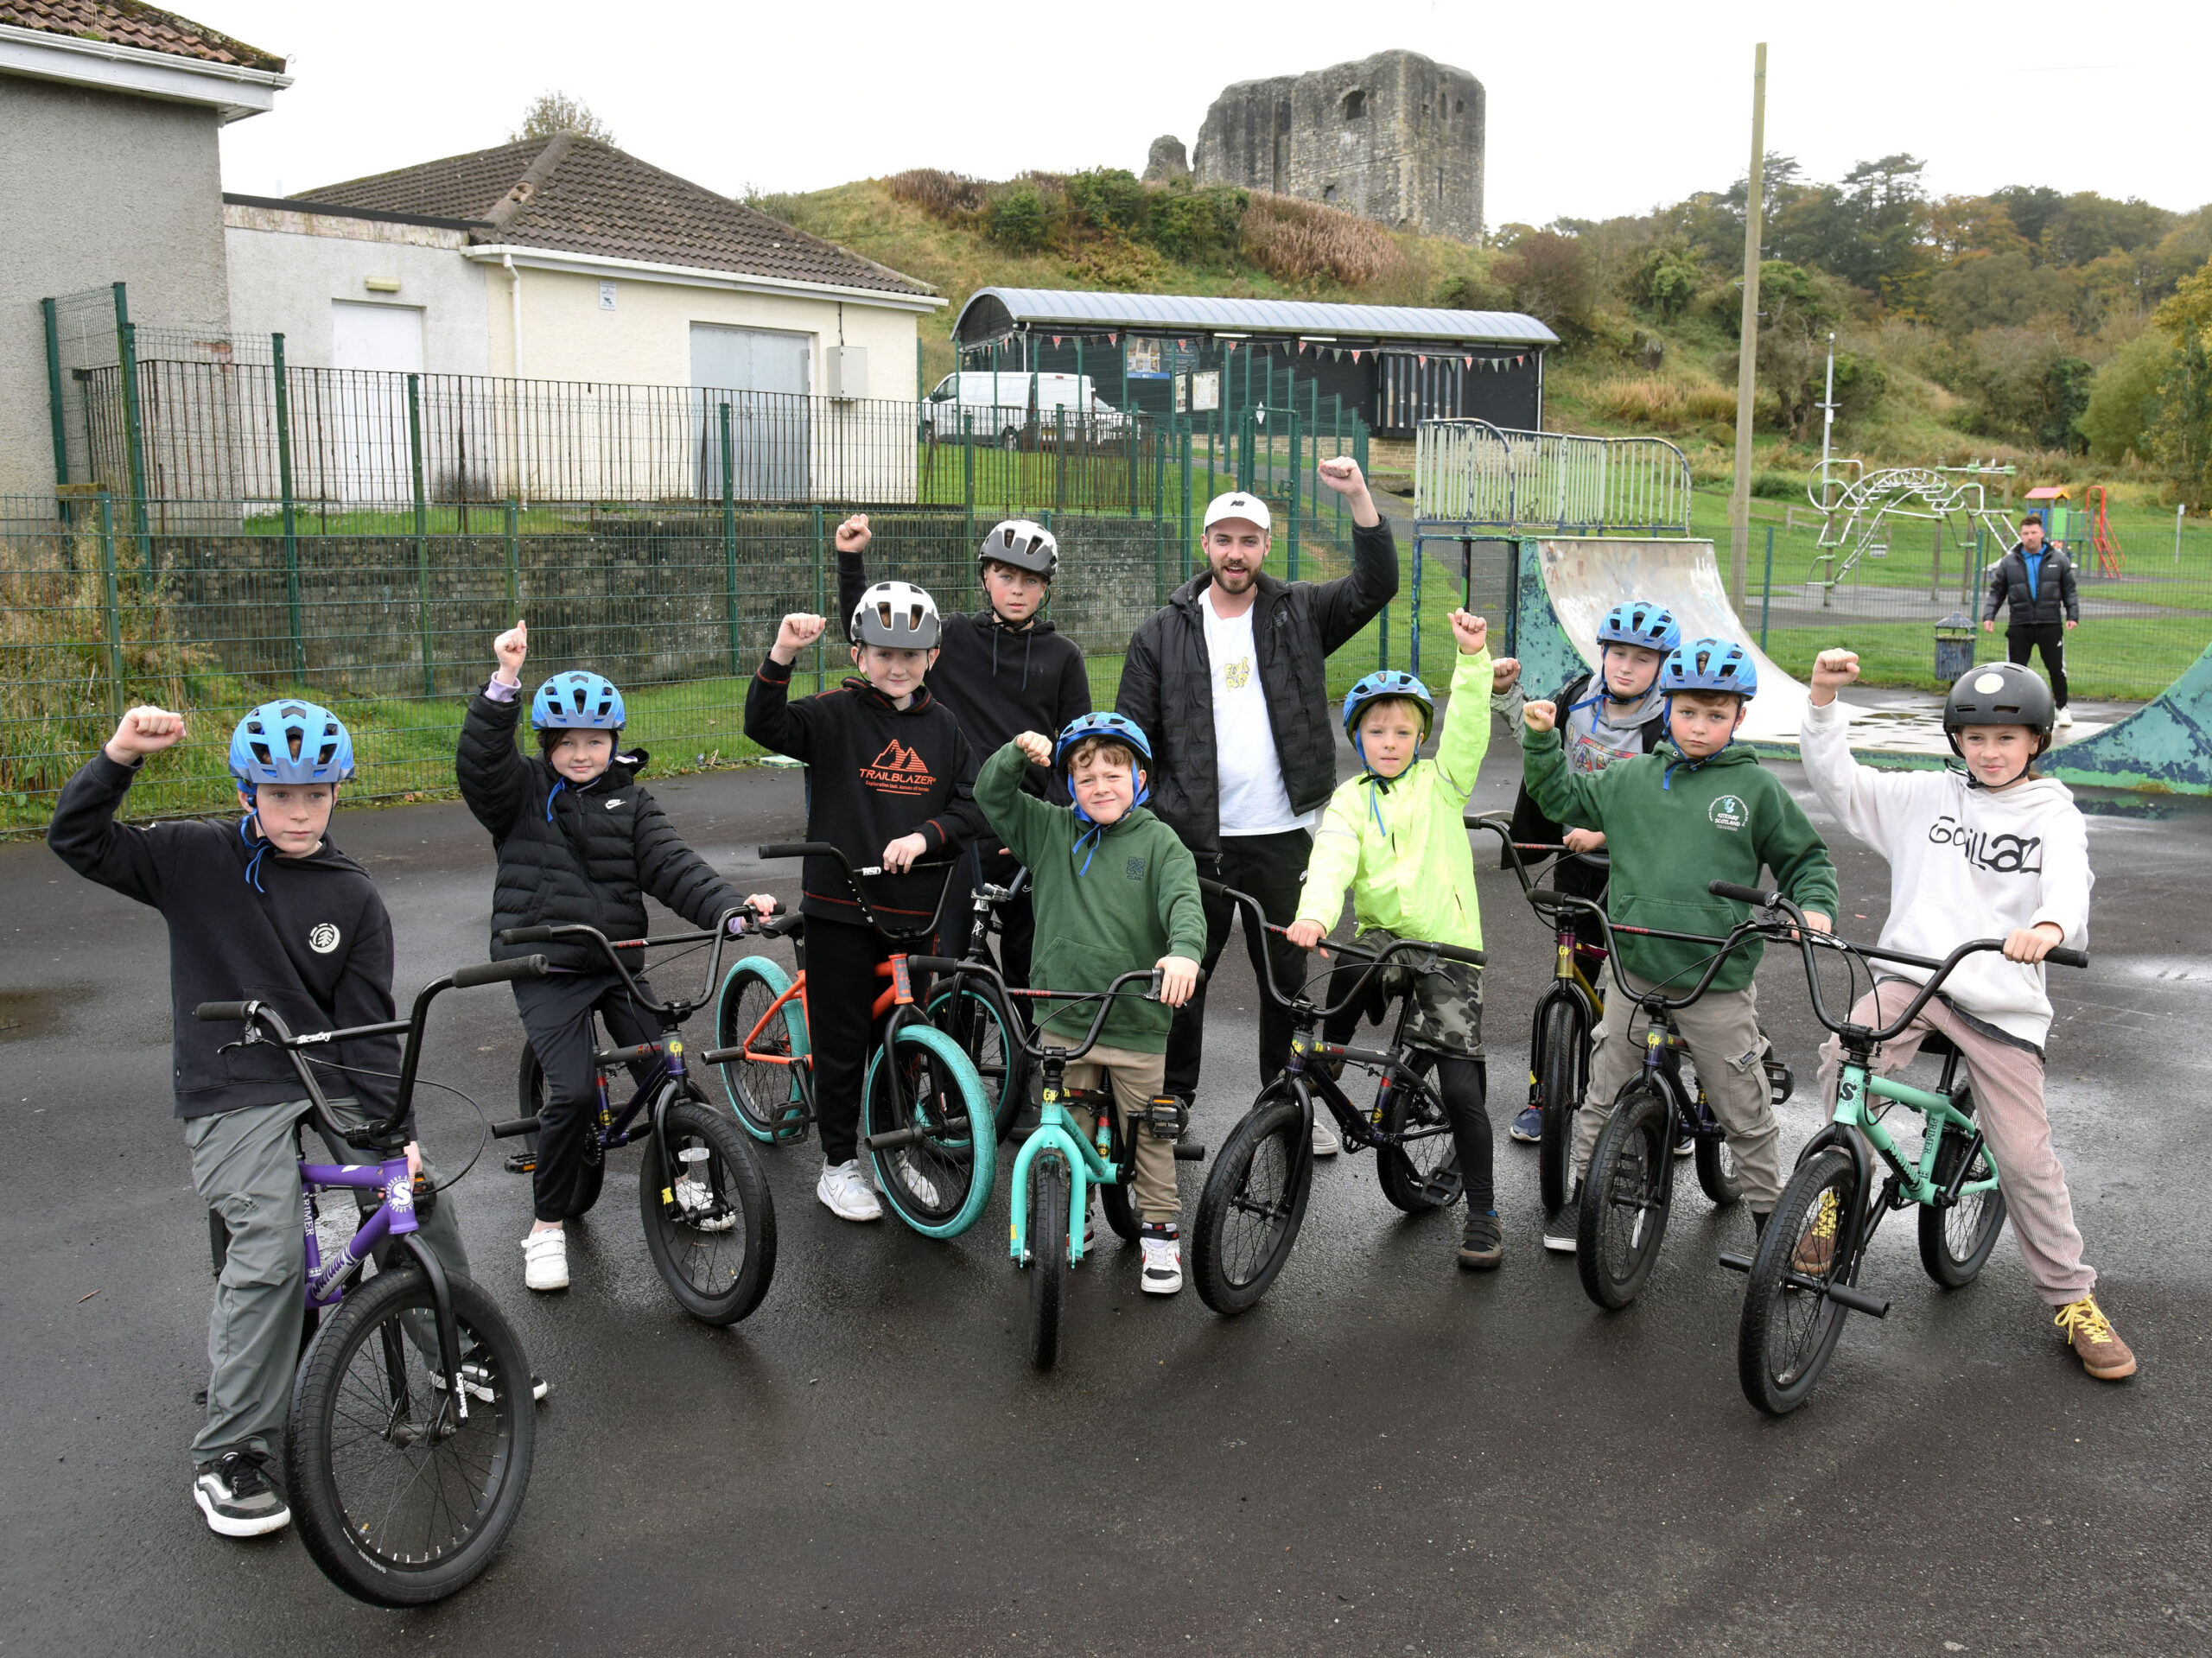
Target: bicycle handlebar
(515, 966)
(612, 950)
(1377, 960)
(1105, 999)
(1544, 903)
(853, 873)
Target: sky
(1594, 109)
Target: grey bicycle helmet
(1999, 694)
(1023, 544)
(898, 615)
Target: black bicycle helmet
(896, 614)
(1999, 694)
(1023, 544)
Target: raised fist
(1471, 632)
(142, 731)
(797, 630)
(853, 534)
(513, 649)
(1035, 747)
(1538, 716)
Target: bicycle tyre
(1717, 1175)
(1787, 1334)
(937, 1186)
(1955, 1243)
(1119, 1202)
(1047, 1238)
(1241, 1238)
(1428, 1176)
(718, 1276)
(986, 1032)
(591, 1170)
(349, 1476)
(1626, 1197)
(1564, 1060)
(764, 1098)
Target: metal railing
(1470, 473)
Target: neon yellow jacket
(1402, 845)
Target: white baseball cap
(1237, 505)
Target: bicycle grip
(522, 936)
(511, 1127)
(1457, 953)
(1207, 884)
(794, 850)
(215, 1010)
(2066, 957)
(1189, 1150)
(1743, 894)
(936, 965)
(517, 967)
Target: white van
(1003, 408)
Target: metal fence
(1470, 473)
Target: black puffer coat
(2053, 601)
(1167, 684)
(572, 856)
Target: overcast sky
(1595, 108)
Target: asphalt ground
(1388, 1456)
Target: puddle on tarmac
(27, 1014)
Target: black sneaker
(237, 1497)
(1561, 1231)
(1484, 1246)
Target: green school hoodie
(1672, 825)
(1136, 900)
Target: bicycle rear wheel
(1789, 1330)
(710, 1224)
(939, 1181)
(1716, 1159)
(986, 1032)
(1559, 1091)
(1955, 1243)
(591, 1170)
(1047, 1237)
(1423, 1172)
(400, 1499)
(1624, 1197)
(764, 1097)
(1253, 1204)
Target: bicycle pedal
(1781, 1082)
(522, 1163)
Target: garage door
(369, 416)
(763, 378)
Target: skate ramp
(2164, 746)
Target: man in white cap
(1229, 681)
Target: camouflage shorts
(1448, 998)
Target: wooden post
(1747, 365)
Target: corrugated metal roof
(1152, 312)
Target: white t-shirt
(1253, 799)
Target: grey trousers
(1722, 1029)
(245, 1169)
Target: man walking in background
(2035, 579)
(1229, 681)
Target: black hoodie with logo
(308, 936)
(875, 772)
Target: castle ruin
(1396, 138)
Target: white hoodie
(1964, 863)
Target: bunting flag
(1423, 361)
(1471, 362)
(1113, 338)
(1182, 344)
(1055, 340)
(1518, 361)
(1355, 357)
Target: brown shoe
(2103, 1355)
(1815, 1251)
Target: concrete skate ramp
(2164, 745)
(1568, 583)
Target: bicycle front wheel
(1789, 1328)
(1559, 1091)
(1047, 1238)
(1956, 1242)
(1624, 1197)
(1253, 1204)
(939, 1181)
(400, 1499)
(710, 1224)
(1421, 1173)
(986, 1032)
(764, 1095)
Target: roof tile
(125, 23)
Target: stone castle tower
(1398, 137)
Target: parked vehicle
(1012, 408)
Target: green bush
(1109, 199)
(1195, 225)
(1666, 281)
(1022, 218)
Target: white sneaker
(2066, 716)
(695, 1198)
(919, 1185)
(1561, 1229)
(1325, 1143)
(236, 1499)
(844, 1192)
(545, 1260)
(1163, 1266)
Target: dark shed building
(1393, 365)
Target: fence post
(1295, 501)
(1060, 456)
(1766, 592)
(126, 348)
(116, 698)
(1412, 618)
(1188, 426)
(513, 539)
(819, 600)
(968, 468)
(290, 521)
(422, 533)
(53, 405)
(729, 531)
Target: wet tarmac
(1387, 1456)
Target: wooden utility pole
(1747, 367)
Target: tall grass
(1297, 241)
(1648, 400)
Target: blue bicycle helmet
(576, 701)
(1639, 623)
(1119, 727)
(1387, 682)
(1710, 665)
(291, 741)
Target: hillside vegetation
(2071, 334)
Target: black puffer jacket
(572, 856)
(1167, 684)
(2053, 600)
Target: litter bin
(1953, 645)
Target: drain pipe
(522, 424)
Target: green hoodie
(1672, 825)
(1118, 902)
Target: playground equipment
(1859, 520)
(2102, 536)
